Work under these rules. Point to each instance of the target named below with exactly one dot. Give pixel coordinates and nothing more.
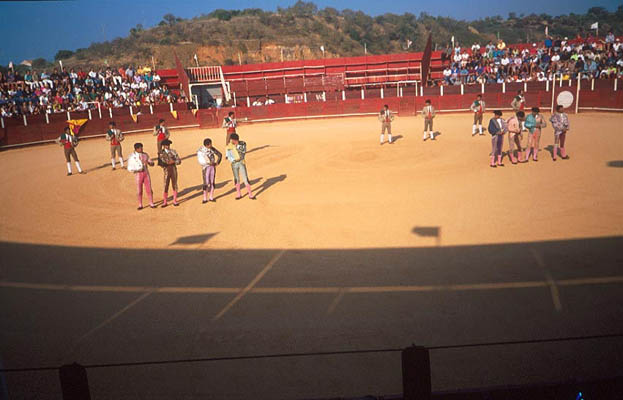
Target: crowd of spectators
(79, 90)
(582, 58)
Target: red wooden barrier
(598, 96)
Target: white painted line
(246, 290)
(312, 289)
(553, 288)
(335, 302)
(106, 322)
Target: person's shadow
(233, 190)
(396, 138)
(198, 189)
(270, 182)
(109, 165)
(550, 149)
(258, 148)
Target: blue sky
(32, 29)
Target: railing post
(110, 112)
(363, 96)
(68, 116)
(74, 382)
(462, 89)
(305, 97)
(416, 378)
(343, 95)
(615, 83)
(25, 122)
(592, 84)
(482, 88)
(2, 122)
(547, 85)
(151, 109)
(525, 87)
(89, 111)
(382, 92)
(99, 109)
(441, 90)
(577, 96)
(503, 87)
(47, 118)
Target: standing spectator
(497, 128)
(514, 136)
(386, 117)
(208, 157)
(235, 153)
(69, 143)
(138, 163)
(162, 133)
(534, 123)
(115, 137)
(560, 123)
(168, 159)
(428, 112)
(478, 108)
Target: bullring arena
(349, 246)
(326, 184)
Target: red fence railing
(605, 95)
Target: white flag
(595, 25)
(409, 43)
(546, 30)
(322, 48)
(10, 64)
(61, 64)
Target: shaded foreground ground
(64, 304)
(350, 246)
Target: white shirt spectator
(447, 72)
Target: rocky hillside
(298, 32)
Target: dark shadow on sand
(194, 239)
(268, 183)
(258, 148)
(243, 190)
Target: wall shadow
(51, 295)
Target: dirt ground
(326, 184)
(337, 253)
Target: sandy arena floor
(326, 184)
